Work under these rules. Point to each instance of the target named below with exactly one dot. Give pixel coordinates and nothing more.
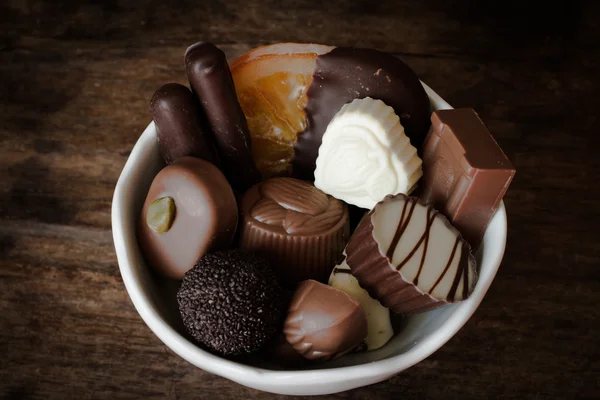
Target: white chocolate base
(379, 325)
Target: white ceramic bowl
(155, 301)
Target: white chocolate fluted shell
(365, 155)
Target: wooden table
(75, 83)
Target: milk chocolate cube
(465, 172)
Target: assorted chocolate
(466, 172)
(379, 323)
(299, 229)
(189, 211)
(408, 256)
(323, 322)
(277, 269)
(365, 155)
(231, 302)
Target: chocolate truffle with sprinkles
(231, 302)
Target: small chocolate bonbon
(466, 173)
(210, 78)
(379, 324)
(179, 125)
(204, 216)
(299, 229)
(323, 322)
(410, 258)
(231, 302)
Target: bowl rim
(253, 376)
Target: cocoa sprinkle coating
(231, 302)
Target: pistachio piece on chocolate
(205, 220)
(161, 213)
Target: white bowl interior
(154, 299)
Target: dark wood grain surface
(75, 82)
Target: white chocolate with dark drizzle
(409, 257)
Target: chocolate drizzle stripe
(402, 224)
(341, 271)
(462, 265)
(447, 265)
(426, 245)
(418, 245)
(466, 276)
(396, 238)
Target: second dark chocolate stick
(179, 126)
(210, 78)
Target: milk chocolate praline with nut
(299, 229)
(410, 258)
(190, 209)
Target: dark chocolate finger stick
(177, 116)
(211, 80)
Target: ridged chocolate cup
(380, 276)
(300, 230)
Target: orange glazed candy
(271, 83)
